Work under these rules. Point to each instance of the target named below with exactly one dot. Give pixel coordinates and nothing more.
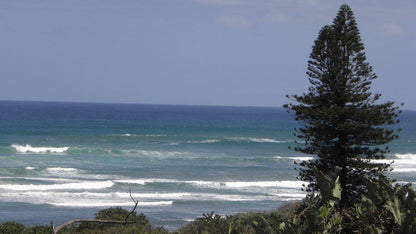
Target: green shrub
(38, 230)
(11, 227)
(134, 224)
(248, 223)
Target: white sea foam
(408, 156)
(233, 197)
(30, 149)
(289, 195)
(156, 154)
(109, 204)
(382, 161)
(404, 169)
(401, 163)
(91, 199)
(41, 179)
(65, 186)
(299, 158)
(61, 170)
(30, 168)
(146, 181)
(247, 184)
(188, 196)
(210, 141)
(254, 139)
(205, 183)
(282, 184)
(289, 199)
(219, 184)
(398, 159)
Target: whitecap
(256, 140)
(289, 195)
(382, 161)
(146, 181)
(282, 184)
(154, 153)
(30, 168)
(60, 171)
(299, 158)
(209, 141)
(66, 186)
(193, 196)
(40, 179)
(218, 184)
(407, 156)
(247, 184)
(109, 204)
(404, 170)
(54, 197)
(29, 149)
(401, 163)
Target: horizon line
(137, 103)
(156, 104)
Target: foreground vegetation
(388, 209)
(134, 224)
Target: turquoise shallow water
(68, 160)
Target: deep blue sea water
(60, 161)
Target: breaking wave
(254, 139)
(401, 163)
(209, 141)
(109, 204)
(30, 149)
(408, 156)
(92, 199)
(299, 158)
(61, 170)
(219, 184)
(66, 186)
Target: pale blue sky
(208, 52)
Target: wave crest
(67, 186)
(407, 156)
(299, 158)
(30, 149)
(109, 204)
(219, 184)
(256, 140)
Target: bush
(11, 227)
(248, 223)
(38, 230)
(134, 224)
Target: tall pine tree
(341, 121)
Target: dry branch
(57, 229)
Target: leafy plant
(11, 227)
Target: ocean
(60, 161)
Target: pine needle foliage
(341, 121)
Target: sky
(192, 52)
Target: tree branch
(134, 208)
(57, 229)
